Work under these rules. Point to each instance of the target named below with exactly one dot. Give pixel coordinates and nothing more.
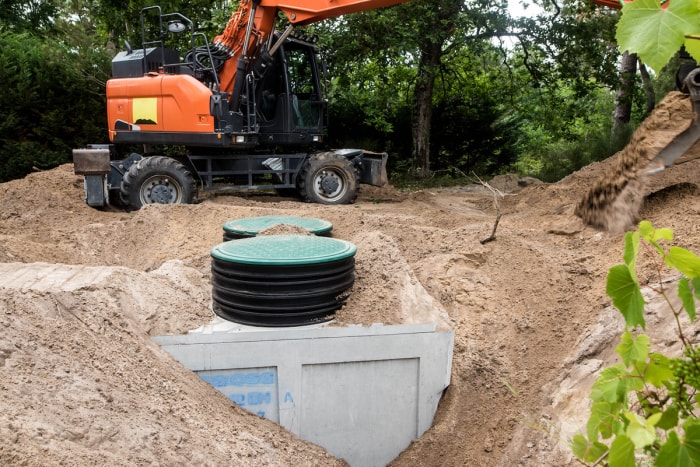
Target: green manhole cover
(284, 250)
(252, 226)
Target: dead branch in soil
(497, 195)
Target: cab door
(306, 99)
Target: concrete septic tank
(363, 393)
(252, 226)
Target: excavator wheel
(157, 179)
(328, 178)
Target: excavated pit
(83, 382)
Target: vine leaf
(686, 296)
(685, 261)
(622, 452)
(612, 385)
(669, 419)
(631, 249)
(633, 350)
(590, 452)
(641, 430)
(626, 296)
(653, 236)
(602, 420)
(675, 452)
(656, 32)
(692, 46)
(658, 370)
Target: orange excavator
(245, 112)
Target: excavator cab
(154, 97)
(289, 98)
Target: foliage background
(532, 95)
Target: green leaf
(686, 296)
(692, 46)
(652, 235)
(658, 370)
(579, 446)
(631, 249)
(612, 385)
(621, 452)
(685, 261)
(670, 454)
(646, 230)
(677, 453)
(633, 349)
(692, 439)
(696, 286)
(626, 295)
(669, 419)
(587, 452)
(641, 430)
(656, 33)
(602, 419)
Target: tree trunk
(423, 108)
(648, 88)
(440, 23)
(623, 99)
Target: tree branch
(497, 194)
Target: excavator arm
(609, 3)
(252, 25)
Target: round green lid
(255, 225)
(284, 250)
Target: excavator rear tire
(328, 178)
(157, 179)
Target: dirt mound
(83, 290)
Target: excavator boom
(302, 12)
(609, 3)
(253, 23)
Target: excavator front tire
(157, 179)
(328, 178)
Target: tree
(405, 51)
(438, 25)
(47, 107)
(120, 20)
(624, 97)
(28, 15)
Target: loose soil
(82, 291)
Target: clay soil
(82, 291)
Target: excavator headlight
(317, 138)
(240, 139)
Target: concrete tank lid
(254, 225)
(284, 250)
